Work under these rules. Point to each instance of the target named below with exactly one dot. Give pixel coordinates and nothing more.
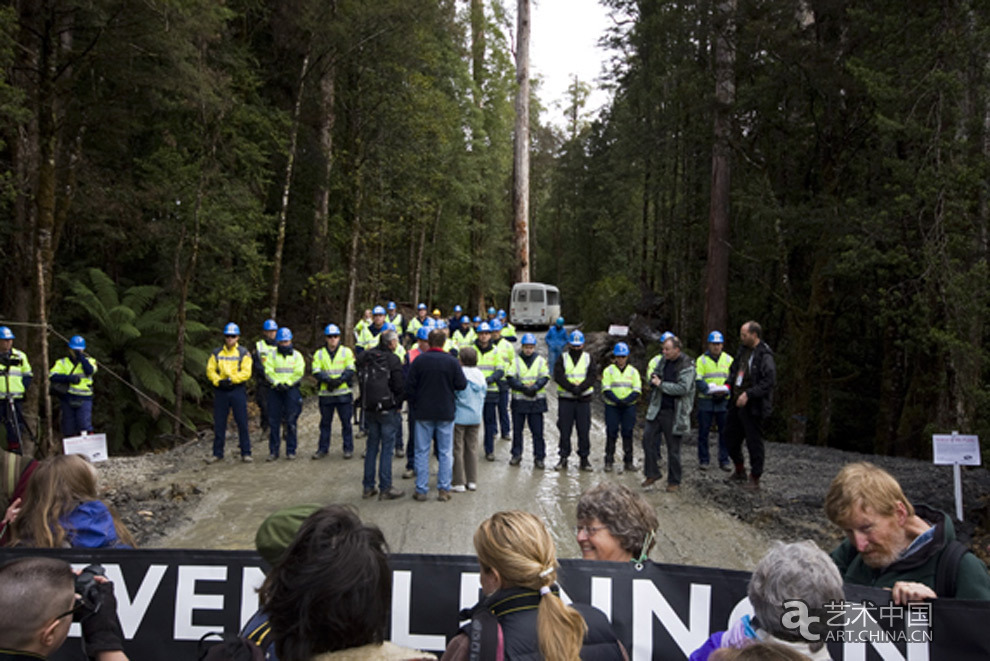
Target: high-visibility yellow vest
(285, 369)
(575, 373)
(712, 372)
(464, 338)
(264, 351)
(529, 375)
(342, 360)
(488, 362)
(400, 351)
(85, 386)
(414, 327)
(622, 383)
(652, 365)
(232, 363)
(12, 378)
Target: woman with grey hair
(798, 571)
(615, 524)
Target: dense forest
(822, 166)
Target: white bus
(534, 304)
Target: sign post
(957, 450)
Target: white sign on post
(93, 446)
(952, 449)
(956, 450)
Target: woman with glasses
(615, 524)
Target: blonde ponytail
(520, 548)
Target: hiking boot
(247, 459)
(391, 494)
(421, 497)
(629, 466)
(739, 475)
(726, 467)
(213, 459)
(672, 488)
(753, 484)
(320, 454)
(290, 457)
(538, 463)
(561, 464)
(348, 454)
(400, 453)
(649, 482)
(505, 437)
(702, 467)
(409, 473)
(515, 461)
(443, 496)
(608, 466)
(586, 466)
(490, 456)
(272, 457)
(369, 493)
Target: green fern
(134, 334)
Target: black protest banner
(168, 599)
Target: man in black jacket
(433, 378)
(752, 378)
(380, 371)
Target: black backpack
(375, 375)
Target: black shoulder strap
(483, 636)
(948, 568)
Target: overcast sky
(563, 41)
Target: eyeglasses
(588, 530)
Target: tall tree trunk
(717, 268)
(420, 243)
(284, 210)
(183, 277)
(520, 168)
(319, 248)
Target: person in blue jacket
(62, 509)
(556, 340)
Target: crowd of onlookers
(328, 593)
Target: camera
(10, 361)
(88, 589)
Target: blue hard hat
(388, 326)
(528, 338)
(577, 338)
(283, 334)
(269, 325)
(423, 333)
(442, 323)
(77, 343)
(501, 314)
(231, 329)
(477, 319)
(495, 324)
(560, 321)
(491, 311)
(458, 309)
(391, 305)
(716, 337)
(465, 319)
(6, 333)
(621, 349)
(666, 335)
(484, 327)
(421, 306)
(430, 323)
(331, 329)
(378, 310)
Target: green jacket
(682, 390)
(972, 579)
